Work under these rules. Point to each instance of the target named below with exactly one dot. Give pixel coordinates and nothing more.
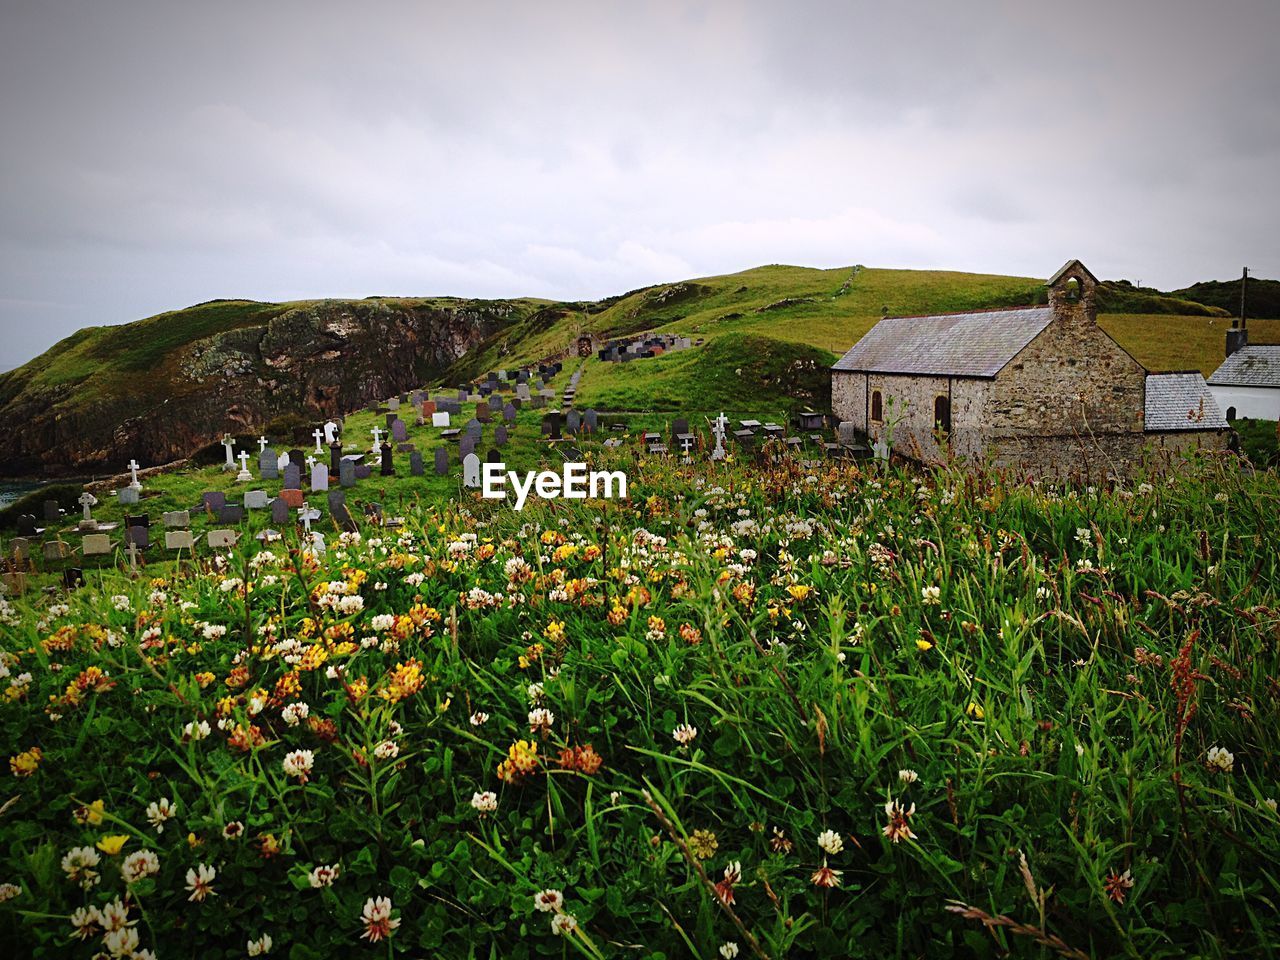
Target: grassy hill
(769, 333)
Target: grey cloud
(158, 154)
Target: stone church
(1041, 390)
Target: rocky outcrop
(316, 360)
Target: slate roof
(1181, 401)
(1257, 366)
(949, 345)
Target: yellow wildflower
(112, 844)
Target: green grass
(1180, 343)
(823, 629)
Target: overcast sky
(157, 154)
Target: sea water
(11, 490)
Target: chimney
(1238, 335)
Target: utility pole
(1244, 282)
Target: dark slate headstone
(52, 512)
(279, 511)
(139, 536)
(336, 499)
(391, 418)
(342, 516)
(138, 520)
(483, 413)
(268, 464)
(335, 459)
(493, 456)
(509, 413)
(292, 476)
(442, 461)
(538, 402)
(214, 500)
(298, 457)
(363, 471)
(500, 436)
(347, 473)
(466, 445)
(592, 421)
(415, 464)
(679, 426)
(399, 432)
(574, 421)
(231, 513)
(495, 403)
(551, 426)
(72, 578)
(388, 467)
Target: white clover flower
(548, 901)
(136, 866)
(728, 949)
(323, 875)
(931, 596)
(298, 764)
(158, 811)
(830, 842)
(200, 882)
(259, 947)
(122, 942)
(564, 924)
(197, 730)
(383, 622)
(1220, 759)
(387, 750)
(479, 718)
(485, 802)
(908, 776)
(684, 734)
(540, 719)
(295, 713)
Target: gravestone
(279, 511)
(538, 402)
(388, 468)
(493, 456)
(335, 459)
(214, 500)
(19, 548)
(292, 497)
(471, 470)
(483, 413)
(336, 499)
(390, 419)
(592, 421)
(293, 477)
(139, 536)
(399, 432)
(56, 550)
(440, 419)
(679, 427)
(574, 422)
(415, 464)
(268, 464)
(319, 477)
(128, 496)
(231, 513)
(363, 471)
(509, 413)
(442, 461)
(255, 500)
(551, 425)
(428, 408)
(179, 540)
(298, 458)
(347, 473)
(500, 436)
(96, 545)
(177, 518)
(495, 403)
(330, 433)
(847, 433)
(522, 391)
(466, 445)
(26, 525)
(517, 403)
(342, 517)
(393, 404)
(72, 578)
(221, 539)
(474, 427)
(52, 512)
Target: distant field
(1180, 343)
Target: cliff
(163, 388)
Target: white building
(1247, 385)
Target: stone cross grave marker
(330, 432)
(133, 469)
(318, 435)
(88, 501)
(229, 443)
(244, 476)
(718, 426)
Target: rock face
(316, 360)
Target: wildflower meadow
(794, 710)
